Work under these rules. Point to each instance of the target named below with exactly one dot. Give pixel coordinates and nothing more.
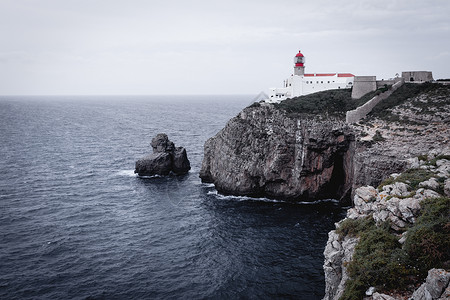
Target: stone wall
(357, 114)
(363, 85)
(382, 82)
(417, 76)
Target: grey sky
(211, 47)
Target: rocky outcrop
(436, 286)
(338, 253)
(397, 204)
(165, 159)
(266, 152)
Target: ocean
(76, 222)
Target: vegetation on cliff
(332, 102)
(381, 261)
(434, 97)
(392, 258)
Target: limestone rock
(430, 183)
(378, 296)
(397, 189)
(337, 253)
(443, 167)
(166, 158)
(435, 286)
(447, 187)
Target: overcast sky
(211, 47)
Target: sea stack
(165, 159)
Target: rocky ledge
(165, 159)
(395, 232)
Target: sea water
(77, 223)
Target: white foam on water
(208, 185)
(241, 198)
(147, 177)
(128, 173)
(247, 198)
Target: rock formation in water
(165, 159)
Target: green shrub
(423, 157)
(434, 160)
(378, 137)
(378, 261)
(429, 238)
(327, 103)
(401, 95)
(353, 227)
(412, 177)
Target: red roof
(346, 75)
(299, 54)
(330, 74)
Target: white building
(299, 83)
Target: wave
(128, 173)
(263, 199)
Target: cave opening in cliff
(337, 180)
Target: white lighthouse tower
(301, 83)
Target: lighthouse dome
(299, 60)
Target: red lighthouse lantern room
(299, 59)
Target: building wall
(295, 86)
(417, 76)
(313, 84)
(363, 85)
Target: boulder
(165, 159)
(154, 164)
(447, 187)
(434, 287)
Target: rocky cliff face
(266, 152)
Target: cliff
(303, 150)
(264, 151)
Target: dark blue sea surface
(76, 223)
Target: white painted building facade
(301, 83)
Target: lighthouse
(301, 83)
(299, 64)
